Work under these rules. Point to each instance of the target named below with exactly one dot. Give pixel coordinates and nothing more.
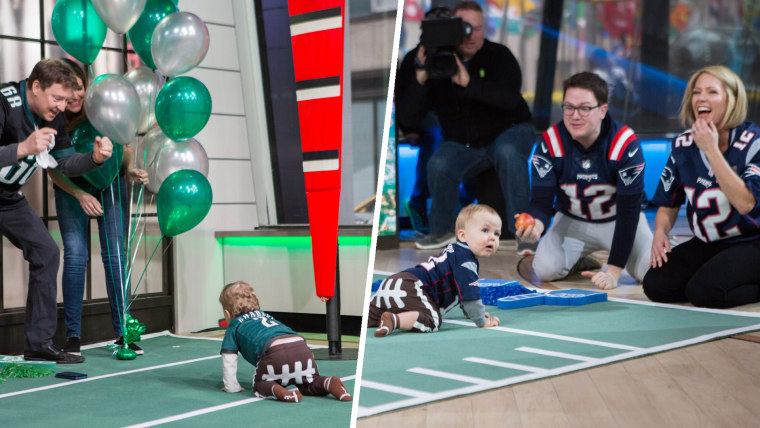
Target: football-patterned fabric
(688, 177)
(249, 334)
(16, 123)
(450, 277)
(588, 180)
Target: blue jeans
(452, 162)
(112, 225)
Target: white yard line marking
(553, 336)
(394, 389)
(556, 354)
(212, 409)
(505, 364)
(89, 379)
(447, 375)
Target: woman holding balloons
(101, 193)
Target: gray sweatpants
(568, 240)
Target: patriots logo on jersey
(629, 175)
(667, 178)
(542, 165)
(752, 169)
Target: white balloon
(119, 15)
(147, 83)
(161, 156)
(179, 43)
(113, 107)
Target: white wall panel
(230, 217)
(231, 181)
(225, 88)
(221, 41)
(216, 11)
(225, 137)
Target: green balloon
(183, 201)
(141, 33)
(78, 29)
(83, 138)
(183, 107)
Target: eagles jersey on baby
(587, 180)
(16, 123)
(688, 176)
(249, 334)
(450, 277)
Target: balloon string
(160, 240)
(139, 239)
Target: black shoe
(72, 346)
(133, 346)
(51, 353)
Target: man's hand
(37, 142)
(601, 279)
(101, 150)
(138, 175)
(422, 74)
(531, 233)
(462, 78)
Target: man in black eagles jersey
(32, 134)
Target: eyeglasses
(582, 110)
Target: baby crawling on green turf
(281, 356)
(416, 298)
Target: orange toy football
(524, 220)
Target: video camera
(441, 34)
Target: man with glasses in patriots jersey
(715, 168)
(594, 167)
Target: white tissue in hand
(44, 160)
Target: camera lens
(467, 28)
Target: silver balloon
(119, 15)
(160, 156)
(147, 83)
(113, 107)
(180, 42)
(146, 152)
(174, 156)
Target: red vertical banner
(316, 33)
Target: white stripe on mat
(199, 412)
(556, 354)
(89, 379)
(503, 364)
(394, 389)
(552, 336)
(447, 375)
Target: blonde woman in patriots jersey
(715, 168)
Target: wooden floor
(714, 384)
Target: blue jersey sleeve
(670, 191)
(751, 174)
(466, 276)
(630, 170)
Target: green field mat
(176, 382)
(407, 369)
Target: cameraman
(485, 123)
